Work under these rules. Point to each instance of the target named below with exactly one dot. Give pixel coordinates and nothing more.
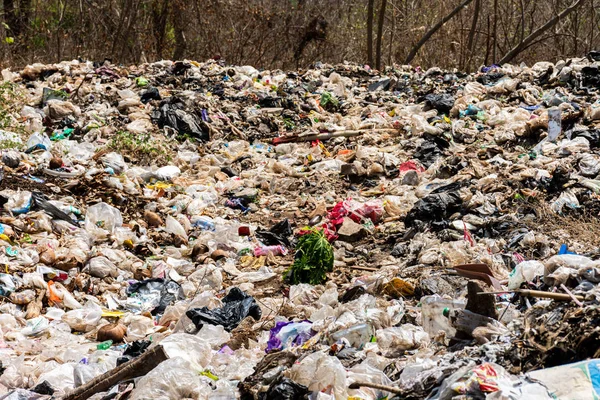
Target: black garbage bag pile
(237, 305)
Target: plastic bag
(237, 305)
(156, 294)
(173, 226)
(278, 234)
(171, 113)
(321, 372)
(114, 162)
(589, 165)
(434, 207)
(101, 267)
(525, 271)
(173, 379)
(168, 172)
(286, 334)
(102, 216)
(83, 319)
(566, 199)
(191, 348)
(138, 327)
(404, 337)
(286, 389)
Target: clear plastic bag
(173, 226)
(101, 267)
(321, 372)
(401, 338)
(83, 319)
(525, 271)
(102, 218)
(173, 379)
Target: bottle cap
(446, 312)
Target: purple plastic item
(280, 335)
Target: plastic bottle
(275, 250)
(357, 335)
(205, 223)
(432, 310)
(104, 345)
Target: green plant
(9, 144)
(329, 101)
(313, 259)
(143, 147)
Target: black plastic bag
(430, 150)
(434, 207)
(592, 136)
(171, 112)
(441, 102)
(382, 84)
(237, 305)
(285, 389)
(277, 235)
(168, 292)
(151, 93)
(43, 388)
(39, 201)
(133, 350)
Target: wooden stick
(328, 135)
(547, 295)
(131, 369)
(540, 294)
(362, 268)
(358, 385)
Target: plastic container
(205, 223)
(434, 321)
(357, 335)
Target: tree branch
(508, 57)
(433, 30)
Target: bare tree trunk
(160, 13)
(24, 15)
(392, 30)
(487, 42)
(495, 32)
(10, 16)
(471, 39)
(433, 30)
(380, 22)
(370, 8)
(508, 57)
(178, 24)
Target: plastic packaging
(265, 250)
(103, 217)
(405, 337)
(237, 305)
(357, 335)
(525, 271)
(432, 311)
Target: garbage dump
(207, 231)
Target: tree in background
(295, 33)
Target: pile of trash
(200, 230)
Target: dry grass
(583, 227)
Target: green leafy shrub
(313, 259)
